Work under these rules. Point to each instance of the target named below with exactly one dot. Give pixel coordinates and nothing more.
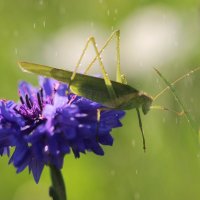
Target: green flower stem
(57, 190)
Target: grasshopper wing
(43, 70)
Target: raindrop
(112, 172)
(163, 119)
(100, 1)
(92, 24)
(34, 25)
(16, 33)
(198, 155)
(141, 64)
(176, 43)
(108, 12)
(41, 2)
(136, 172)
(137, 196)
(116, 11)
(44, 23)
(62, 11)
(133, 143)
(16, 51)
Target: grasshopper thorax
(134, 100)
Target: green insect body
(95, 89)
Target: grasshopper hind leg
(119, 76)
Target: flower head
(48, 123)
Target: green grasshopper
(111, 94)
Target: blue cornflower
(10, 126)
(48, 123)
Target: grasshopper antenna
(141, 128)
(177, 80)
(170, 86)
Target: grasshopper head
(146, 103)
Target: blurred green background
(161, 34)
